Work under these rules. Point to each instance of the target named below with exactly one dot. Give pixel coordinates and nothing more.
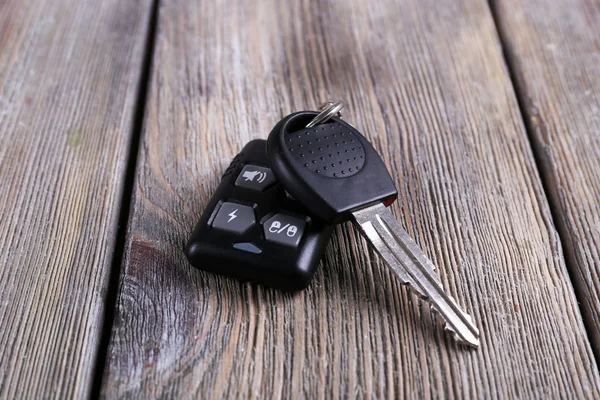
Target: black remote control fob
(252, 230)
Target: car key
(253, 231)
(337, 175)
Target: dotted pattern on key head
(330, 150)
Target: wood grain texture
(426, 82)
(555, 56)
(69, 76)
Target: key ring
(328, 111)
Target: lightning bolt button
(234, 217)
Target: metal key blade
(413, 267)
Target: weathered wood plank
(69, 76)
(425, 80)
(555, 56)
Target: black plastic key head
(330, 168)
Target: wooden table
(117, 119)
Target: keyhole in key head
(330, 154)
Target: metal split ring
(328, 111)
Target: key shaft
(412, 266)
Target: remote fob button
(255, 178)
(284, 229)
(233, 217)
(247, 246)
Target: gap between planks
(555, 209)
(126, 200)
